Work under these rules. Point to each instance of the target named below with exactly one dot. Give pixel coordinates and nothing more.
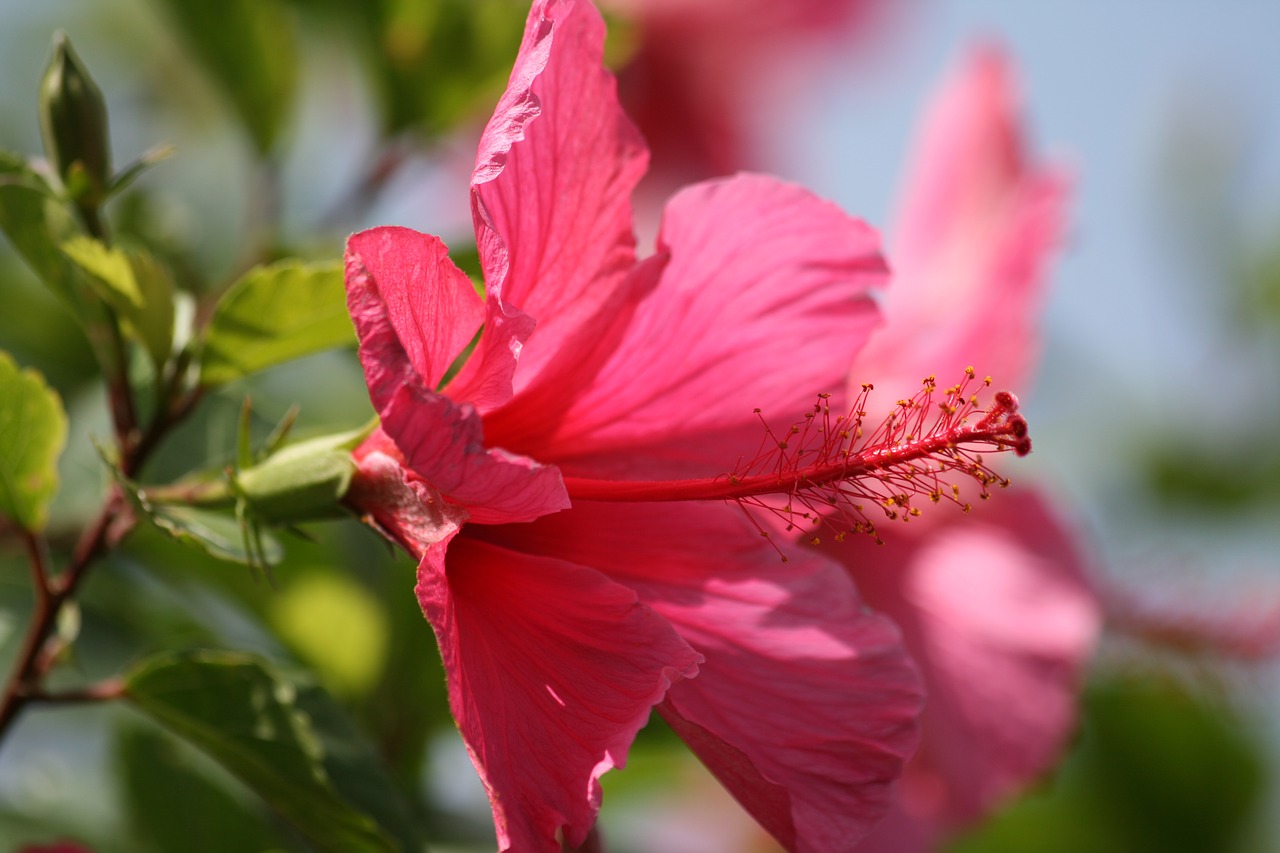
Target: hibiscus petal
(552, 670)
(551, 191)
(805, 705)
(443, 443)
(413, 309)
(977, 226)
(763, 303)
(396, 278)
(998, 612)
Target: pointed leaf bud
(73, 122)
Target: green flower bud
(73, 122)
(302, 482)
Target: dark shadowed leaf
(357, 773)
(247, 717)
(172, 805)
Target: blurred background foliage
(298, 121)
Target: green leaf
(173, 806)
(1156, 768)
(29, 217)
(249, 47)
(1213, 476)
(126, 176)
(247, 717)
(358, 774)
(438, 64)
(136, 285)
(15, 171)
(274, 314)
(215, 533)
(33, 430)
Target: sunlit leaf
(249, 47)
(247, 717)
(274, 314)
(136, 285)
(33, 430)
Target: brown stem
(103, 330)
(41, 621)
(50, 594)
(166, 418)
(123, 413)
(40, 650)
(114, 521)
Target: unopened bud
(303, 482)
(73, 122)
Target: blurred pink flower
(997, 610)
(1240, 624)
(560, 628)
(700, 66)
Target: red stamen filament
(828, 466)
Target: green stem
(103, 691)
(110, 345)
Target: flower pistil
(828, 470)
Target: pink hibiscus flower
(560, 634)
(588, 375)
(996, 609)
